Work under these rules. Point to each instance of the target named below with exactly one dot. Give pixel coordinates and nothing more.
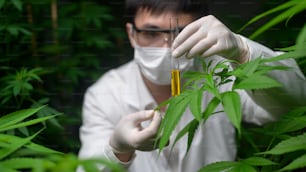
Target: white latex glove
(129, 135)
(207, 36)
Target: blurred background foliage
(51, 51)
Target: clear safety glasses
(151, 37)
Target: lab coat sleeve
(99, 118)
(275, 102)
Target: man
(118, 121)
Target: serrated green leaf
(193, 75)
(17, 4)
(27, 152)
(12, 30)
(90, 167)
(176, 108)
(210, 86)
(196, 104)
(17, 116)
(24, 131)
(47, 111)
(27, 123)
(17, 88)
(41, 149)
(219, 166)
(287, 55)
(271, 11)
(232, 107)
(27, 163)
(262, 70)
(281, 17)
(290, 48)
(6, 99)
(15, 143)
(301, 39)
(228, 167)
(184, 131)
(290, 145)
(24, 31)
(238, 72)
(257, 82)
(258, 161)
(297, 112)
(211, 107)
(27, 86)
(191, 132)
(287, 125)
(92, 163)
(297, 163)
(223, 65)
(65, 163)
(250, 67)
(193, 79)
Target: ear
(130, 33)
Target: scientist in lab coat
(119, 122)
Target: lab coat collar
(141, 98)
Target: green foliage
(51, 51)
(279, 146)
(11, 145)
(18, 86)
(291, 8)
(285, 138)
(20, 154)
(289, 145)
(210, 80)
(244, 165)
(47, 60)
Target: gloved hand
(129, 135)
(207, 36)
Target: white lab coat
(122, 91)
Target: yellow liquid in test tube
(175, 82)
(175, 70)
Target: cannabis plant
(285, 146)
(50, 51)
(22, 154)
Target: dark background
(83, 50)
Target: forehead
(145, 17)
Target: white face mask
(155, 63)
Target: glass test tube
(175, 66)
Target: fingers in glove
(152, 129)
(209, 52)
(154, 126)
(183, 42)
(142, 116)
(146, 139)
(216, 49)
(186, 33)
(188, 45)
(201, 47)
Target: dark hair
(196, 8)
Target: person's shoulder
(116, 77)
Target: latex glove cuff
(110, 154)
(244, 53)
